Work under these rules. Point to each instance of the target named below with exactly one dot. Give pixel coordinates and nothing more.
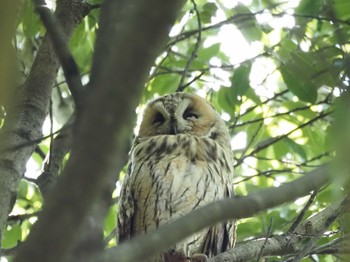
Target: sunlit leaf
(240, 81)
(209, 10)
(247, 24)
(207, 53)
(110, 220)
(11, 236)
(31, 21)
(295, 148)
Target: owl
(180, 160)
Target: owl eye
(189, 114)
(159, 119)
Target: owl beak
(173, 126)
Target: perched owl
(180, 160)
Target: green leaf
(23, 188)
(110, 220)
(250, 93)
(209, 10)
(205, 54)
(309, 7)
(81, 44)
(341, 8)
(11, 236)
(295, 148)
(248, 228)
(164, 84)
(304, 91)
(225, 102)
(286, 48)
(31, 21)
(240, 81)
(248, 26)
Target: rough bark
(26, 113)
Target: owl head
(182, 113)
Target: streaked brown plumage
(180, 160)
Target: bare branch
(59, 41)
(181, 86)
(303, 211)
(60, 147)
(285, 244)
(274, 140)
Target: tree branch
(264, 144)
(143, 247)
(61, 145)
(26, 115)
(59, 41)
(181, 86)
(285, 244)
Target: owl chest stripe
(203, 190)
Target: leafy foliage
(272, 69)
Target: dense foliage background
(275, 70)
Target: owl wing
(126, 208)
(230, 226)
(220, 237)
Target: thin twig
(278, 138)
(269, 230)
(22, 217)
(36, 141)
(51, 132)
(192, 81)
(181, 86)
(255, 135)
(319, 18)
(302, 213)
(303, 164)
(277, 115)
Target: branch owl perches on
(180, 160)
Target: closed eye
(190, 114)
(158, 119)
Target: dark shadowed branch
(59, 41)
(61, 145)
(107, 121)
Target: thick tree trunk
(26, 113)
(130, 37)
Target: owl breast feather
(174, 175)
